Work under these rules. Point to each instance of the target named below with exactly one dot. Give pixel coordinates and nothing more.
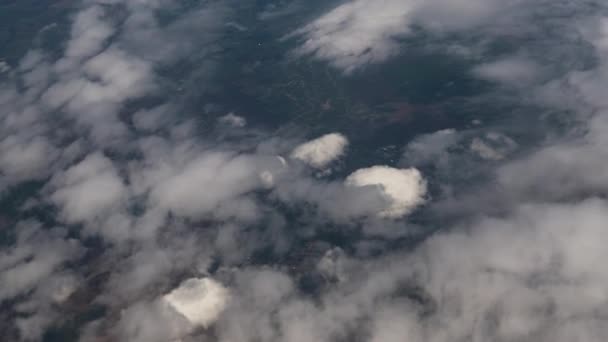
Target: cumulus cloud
(361, 32)
(209, 183)
(21, 160)
(200, 301)
(352, 35)
(89, 189)
(320, 152)
(89, 32)
(286, 256)
(404, 188)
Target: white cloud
(233, 120)
(151, 322)
(535, 272)
(514, 71)
(88, 190)
(392, 324)
(30, 159)
(358, 32)
(199, 300)
(34, 258)
(89, 32)
(361, 32)
(205, 183)
(404, 188)
(33, 276)
(320, 152)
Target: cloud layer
(131, 216)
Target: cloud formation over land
(361, 32)
(321, 151)
(124, 199)
(404, 189)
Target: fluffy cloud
(176, 203)
(21, 160)
(213, 183)
(320, 152)
(404, 188)
(151, 321)
(361, 32)
(88, 190)
(233, 120)
(89, 32)
(351, 35)
(200, 301)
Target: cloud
(270, 252)
(88, 190)
(430, 148)
(200, 301)
(232, 120)
(514, 71)
(404, 188)
(495, 279)
(362, 32)
(320, 152)
(209, 183)
(278, 10)
(34, 268)
(151, 321)
(4, 67)
(89, 32)
(28, 263)
(351, 35)
(22, 160)
(493, 146)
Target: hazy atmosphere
(303, 170)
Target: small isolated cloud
(320, 152)
(199, 300)
(4, 67)
(233, 120)
(404, 188)
(512, 71)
